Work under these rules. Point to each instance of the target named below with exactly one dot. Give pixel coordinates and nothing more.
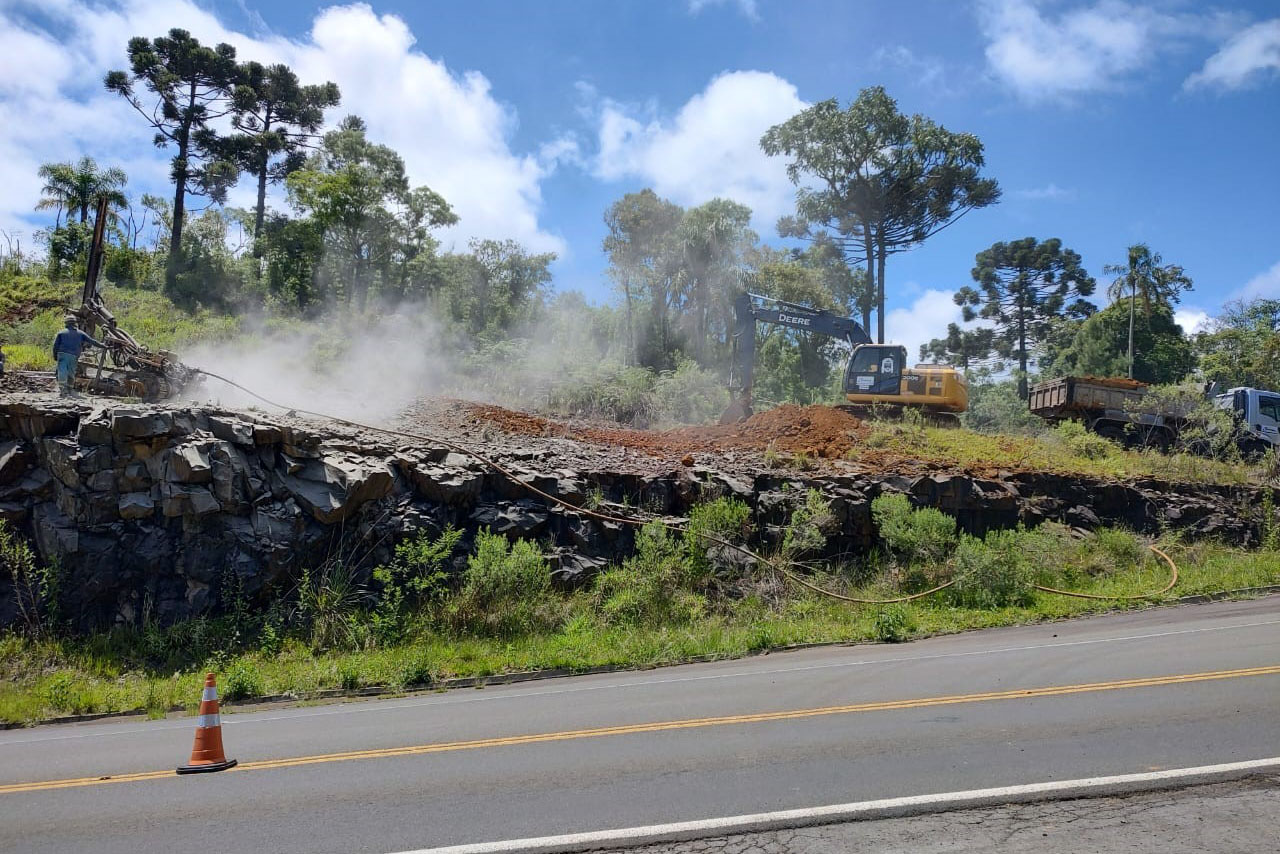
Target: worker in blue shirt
(67, 346)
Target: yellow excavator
(877, 374)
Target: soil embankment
(166, 512)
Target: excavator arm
(749, 309)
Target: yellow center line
(660, 726)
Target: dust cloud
(366, 370)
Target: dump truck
(1120, 409)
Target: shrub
(992, 573)
(64, 693)
(894, 623)
(996, 407)
(35, 587)
(505, 589)
(724, 519)
(329, 602)
(415, 578)
(1269, 526)
(620, 393)
(1082, 443)
(689, 395)
(242, 681)
(1122, 550)
(912, 535)
(648, 586)
(811, 523)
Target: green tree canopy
(644, 264)
(496, 288)
(885, 182)
(1145, 279)
(358, 194)
(711, 239)
(960, 347)
(1162, 354)
(275, 118)
(1023, 286)
(76, 187)
(1242, 347)
(192, 85)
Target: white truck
(1258, 412)
(1119, 409)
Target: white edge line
(861, 810)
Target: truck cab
(1258, 411)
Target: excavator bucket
(739, 410)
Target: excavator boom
(876, 374)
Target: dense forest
(340, 235)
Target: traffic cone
(206, 753)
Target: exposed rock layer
(162, 511)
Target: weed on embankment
(414, 623)
(1066, 449)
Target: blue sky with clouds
(1106, 121)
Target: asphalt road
(1166, 688)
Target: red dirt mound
(819, 431)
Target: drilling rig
(125, 368)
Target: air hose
(782, 565)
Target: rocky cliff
(165, 509)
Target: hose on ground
(783, 566)
(1173, 579)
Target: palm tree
(78, 186)
(1145, 278)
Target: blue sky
(1105, 122)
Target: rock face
(162, 510)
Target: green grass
(54, 677)
(1055, 451)
(27, 357)
(149, 316)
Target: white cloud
(925, 319)
(1051, 192)
(929, 72)
(1265, 285)
(448, 126)
(1192, 320)
(747, 7)
(1085, 49)
(709, 149)
(1246, 58)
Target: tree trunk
(880, 253)
(180, 180)
(260, 209)
(1022, 348)
(632, 355)
(869, 289)
(1133, 299)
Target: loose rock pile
(165, 512)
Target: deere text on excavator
(877, 374)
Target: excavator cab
(875, 369)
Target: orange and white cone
(206, 753)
